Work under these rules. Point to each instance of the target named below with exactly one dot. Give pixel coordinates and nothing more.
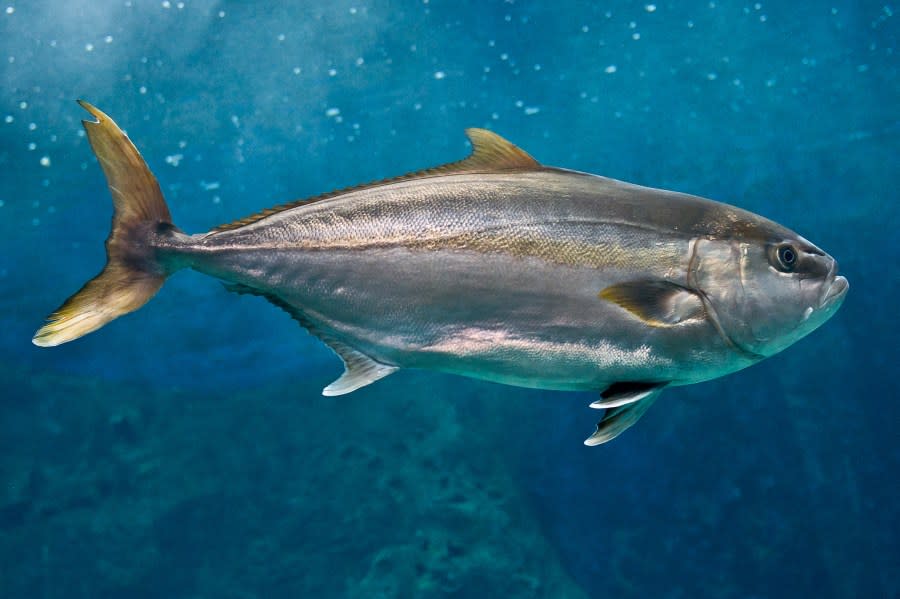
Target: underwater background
(186, 450)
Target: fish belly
(513, 320)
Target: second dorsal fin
(490, 153)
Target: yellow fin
(490, 153)
(657, 303)
(132, 274)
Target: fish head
(768, 291)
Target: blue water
(186, 451)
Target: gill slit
(710, 311)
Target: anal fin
(359, 369)
(618, 419)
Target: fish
(494, 267)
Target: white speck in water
(23, 105)
(610, 69)
(763, 18)
(504, 56)
(635, 36)
(332, 112)
(10, 10)
(221, 14)
(45, 161)
(690, 24)
(712, 76)
(360, 61)
(439, 74)
(32, 147)
(297, 70)
(537, 67)
(9, 118)
(280, 37)
(585, 28)
(495, 116)
(529, 110)
(332, 72)
(142, 89)
(210, 185)
(417, 106)
(108, 39)
(216, 200)
(352, 10)
(166, 4)
(650, 8)
(174, 159)
(32, 126)
(180, 5)
(519, 103)
(89, 47)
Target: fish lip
(836, 291)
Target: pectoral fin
(616, 420)
(658, 303)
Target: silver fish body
(501, 269)
(494, 276)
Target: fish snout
(835, 287)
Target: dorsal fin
(490, 153)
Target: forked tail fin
(132, 274)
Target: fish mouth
(836, 292)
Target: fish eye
(787, 257)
